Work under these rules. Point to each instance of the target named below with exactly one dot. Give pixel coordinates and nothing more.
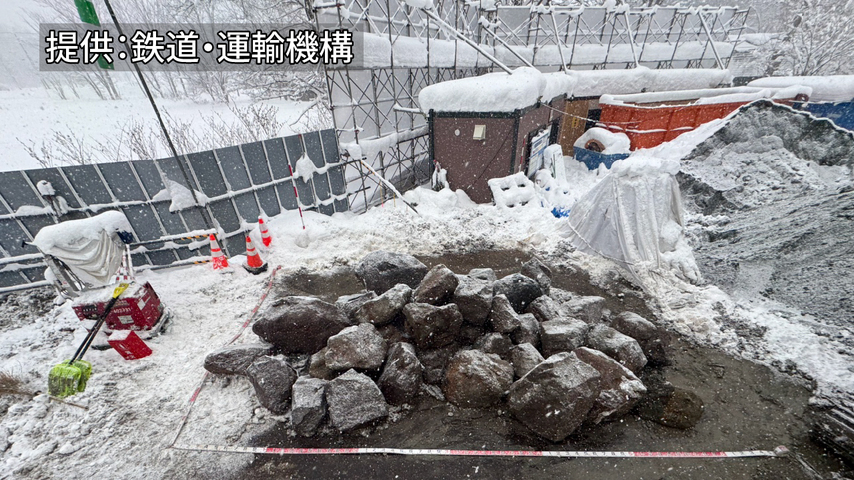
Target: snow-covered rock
(528, 331)
(588, 309)
(383, 270)
(536, 269)
(475, 379)
(308, 405)
(619, 388)
(359, 347)
(564, 335)
(299, 324)
(487, 274)
(524, 357)
(354, 400)
(235, 359)
(621, 348)
(554, 398)
(431, 326)
(401, 378)
(384, 308)
(473, 297)
(502, 317)
(437, 287)
(272, 379)
(350, 303)
(317, 366)
(519, 290)
(545, 309)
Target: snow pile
(513, 191)
(305, 168)
(181, 196)
(611, 142)
(708, 96)
(831, 88)
(495, 92)
(71, 233)
(593, 83)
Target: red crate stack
(137, 309)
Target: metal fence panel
(144, 223)
(11, 237)
(277, 158)
(53, 176)
(232, 165)
(122, 181)
(207, 172)
(17, 192)
(247, 207)
(268, 200)
(253, 153)
(148, 174)
(293, 145)
(286, 196)
(88, 185)
(225, 215)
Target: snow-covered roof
(707, 96)
(495, 92)
(831, 88)
(592, 83)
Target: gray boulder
(348, 304)
(563, 335)
(381, 270)
(430, 326)
(588, 309)
(272, 379)
(401, 379)
(528, 331)
(560, 295)
(538, 271)
(621, 348)
(437, 287)
(519, 290)
(545, 309)
(619, 388)
(360, 347)
(473, 296)
(475, 379)
(392, 333)
(554, 398)
(524, 357)
(502, 317)
(670, 406)
(308, 405)
(235, 359)
(495, 343)
(299, 324)
(317, 366)
(652, 341)
(486, 274)
(435, 361)
(354, 400)
(384, 308)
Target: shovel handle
(81, 350)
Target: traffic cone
(266, 239)
(254, 264)
(217, 258)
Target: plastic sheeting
(635, 217)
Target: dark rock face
(235, 359)
(502, 317)
(555, 397)
(538, 271)
(299, 324)
(486, 274)
(434, 362)
(384, 308)
(670, 406)
(381, 270)
(619, 388)
(519, 290)
(401, 378)
(563, 335)
(353, 400)
(437, 287)
(432, 327)
(475, 379)
(524, 357)
(360, 347)
(545, 309)
(308, 405)
(621, 348)
(652, 341)
(528, 331)
(349, 303)
(272, 379)
(473, 297)
(317, 366)
(495, 343)
(588, 309)
(470, 333)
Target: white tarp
(90, 246)
(635, 217)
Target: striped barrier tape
(780, 451)
(198, 389)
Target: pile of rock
(556, 359)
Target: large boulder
(545, 309)
(360, 347)
(652, 341)
(564, 335)
(317, 366)
(384, 308)
(435, 361)
(588, 309)
(486, 274)
(299, 324)
(670, 406)
(401, 378)
(234, 360)
(619, 388)
(348, 304)
(519, 290)
(554, 398)
(475, 379)
(431, 326)
(353, 400)
(437, 287)
(473, 296)
(495, 343)
(524, 357)
(502, 317)
(308, 405)
(538, 271)
(621, 348)
(528, 331)
(381, 270)
(272, 379)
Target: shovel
(70, 377)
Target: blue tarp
(842, 113)
(593, 159)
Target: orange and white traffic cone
(254, 264)
(217, 258)
(266, 239)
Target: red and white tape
(777, 452)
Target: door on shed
(572, 126)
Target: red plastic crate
(137, 309)
(129, 345)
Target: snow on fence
(233, 185)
